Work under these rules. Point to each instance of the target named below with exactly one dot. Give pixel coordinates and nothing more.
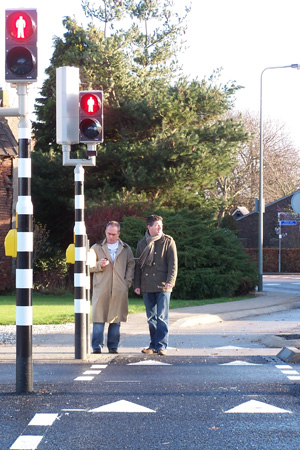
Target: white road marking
(74, 410)
(255, 407)
(92, 372)
(239, 363)
(26, 443)
(43, 420)
(283, 366)
(294, 378)
(290, 372)
(122, 406)
(84, 378)
(99, 366)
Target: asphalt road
(137, 403)
(236, 395)
(281, 283)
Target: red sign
(20, 26)
(90, 103)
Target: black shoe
(113, 350)
(97, 351)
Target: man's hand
(104, 262)
(137, 291)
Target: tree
(167, 139)
(281, 167)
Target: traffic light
(90, 116)
(21, 45)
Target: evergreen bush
(211, 262)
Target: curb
(289, 355)
(204, 319)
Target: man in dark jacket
(155, 276)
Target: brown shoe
(148, 351)
(162, 352)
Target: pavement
(56, 343)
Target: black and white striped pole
(80, 266)
(88, 297)
(24, 270)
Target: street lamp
(261, 178)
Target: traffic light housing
(21, 45)
(90, 117)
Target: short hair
(113, 223)
(153, 218)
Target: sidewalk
(56, 343)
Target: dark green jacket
(163, 269)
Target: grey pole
(261, 179)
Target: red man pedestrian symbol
(20, 24)
(91, 104)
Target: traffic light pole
(80, 282)
(81, 269)
(79, 119)
(24, 270)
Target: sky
(240, 36)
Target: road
(234, 394)
(281, 283)
(136, 403)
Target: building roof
(240, 211)
(8, 144)
(267, 206)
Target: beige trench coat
(111, 284)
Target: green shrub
(211, 262)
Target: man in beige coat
(113, 275)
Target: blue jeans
(157, 310)
(113, 335)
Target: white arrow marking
(122, 406)
(149, 362)
(43, 419)
(253, 406)
(239, 363)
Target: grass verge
(59, 309)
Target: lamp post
(261, 179)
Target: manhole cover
(289, 337)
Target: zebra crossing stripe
(26, 443)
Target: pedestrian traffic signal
(90, 116)
(21, 45)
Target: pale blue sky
(242, 36)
